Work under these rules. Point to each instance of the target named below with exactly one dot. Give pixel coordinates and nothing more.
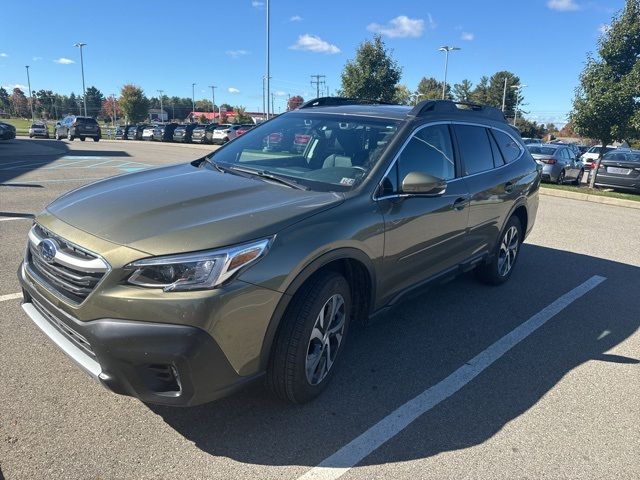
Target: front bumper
(158, 363)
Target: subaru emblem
(48, 249)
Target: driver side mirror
(419, 183)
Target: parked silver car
(38, 129)
(559, 163)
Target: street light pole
(515, 113)
(193, 100)
(446, 49)
(113, 101)
(213, 102)
(30, 93)
(84, 92)
(268, 60)
(504, 94)
(161, 92)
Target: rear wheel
(310, 339)
(499, 269)
(69, 136)
(560, 179)
(82, 139)
(96, 139)
(578, 180)
(57, 135)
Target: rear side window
(498, 159)
(429, 151)
(508, 146)
(475, 148)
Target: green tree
(490, 91)
(133, 103)
(94, 98)
(403, 95)
(607, 102)
(70, 105)
(240, 115)
(373, 74)
(431, 89)
(4, 100)
(463, 91)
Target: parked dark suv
(73, 126)
(180, 284)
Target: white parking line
(11, 296)
(8, 219)
(348, 456)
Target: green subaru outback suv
(178, 285)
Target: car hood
(183, 208)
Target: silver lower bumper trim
(88, 364)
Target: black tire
(286, 374)
(561, 176)
(82, 139)
(490, 273)
(578, 180)
(30, 136)
(96, 139)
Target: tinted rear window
(86, 121)
(508, 146)
(474, 148)
(541, 150)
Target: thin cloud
(313, 43)
(296, 18)
(37, 59)
(64, 61)
(467, 36)
(563, 5)
(233, 90)
(17, 85)
(399, 27)
(257, 4)
(280, 93)
(432, 23)
(237, 53)
(4, 55)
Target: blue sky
(171, 44)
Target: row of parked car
(563, 162)
(213, 133)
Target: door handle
(508, 187)
(460, 203)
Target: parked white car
(38, 129)
(147, 133)
(591, 156)
(224, 133)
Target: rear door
(487, 155)
(424, 235)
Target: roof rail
(447, 106)
(340, 101)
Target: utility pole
(264, 107)
(273, 101)
(318, 81)
(84, 91)
(268, 80)
(161, 92)
(504, 94)
(30, 93)
(193, 101)
(213, 102)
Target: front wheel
(499, 268)
(579, 178)
(82, 139)
(310, 339)
(96, 139)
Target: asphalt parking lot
(538, 378)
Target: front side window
(322, 152)
(429, 151)
(475, 148)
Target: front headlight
(195, 271)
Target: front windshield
(322, 152)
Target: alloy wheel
(326, 337)
(508, 251)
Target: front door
(424, 235)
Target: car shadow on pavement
(20, 156)
(420, 343)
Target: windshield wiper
(271, 176)
(217, 166)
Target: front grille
(72, 274)
(75, 338)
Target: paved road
(562, 403)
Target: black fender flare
(343, 253)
